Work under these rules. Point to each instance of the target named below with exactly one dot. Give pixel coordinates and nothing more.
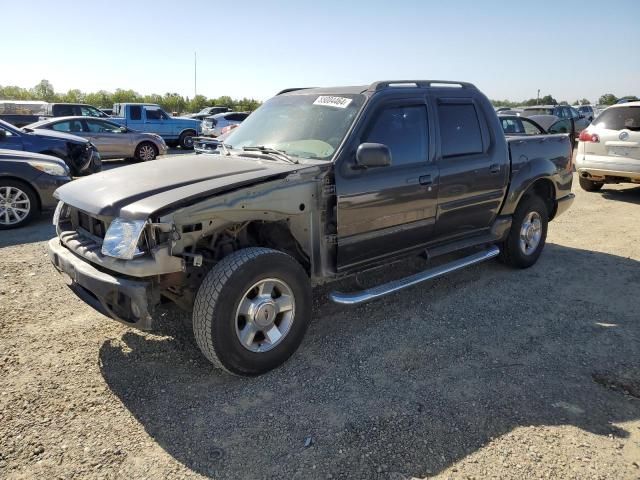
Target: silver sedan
(111, 140)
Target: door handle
(425, 180)
(495, 168)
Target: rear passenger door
(474, 168)
(383, 211)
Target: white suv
(609, 149)
(212, 126)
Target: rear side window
(512, 126)
(67, 126)
(619, 118)
(404, 130)
(136, 112)
(459, 129)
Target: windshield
(306, 126)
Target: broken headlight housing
(122, 238)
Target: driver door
(383, 211)
(109, 139)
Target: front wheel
(18, 204)
(146, 151)
(186, 140)
(590, 185)
(252, 311)
(528, 233)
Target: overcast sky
(510, 49)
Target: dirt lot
(488, 373)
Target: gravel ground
(487, 373)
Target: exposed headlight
(50, 168)
(122, 237)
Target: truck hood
(137, 191)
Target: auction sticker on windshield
(330, 101)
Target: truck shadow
(405, 386)
(629, 195)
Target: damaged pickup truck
(315, 185)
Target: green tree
(584, 101)
(44, 91)
(73, 96)
(607, 99)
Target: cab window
(404, 130)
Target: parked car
(588, 111)
(516, 125)
(72, 110)
(150, 118)
(627, 100)
(111, 140)
(21, 112)
(316, 184)
(27, 183)
(213, 126)
(578, 121)
(79, 154)
(609, 150)
(208, 112)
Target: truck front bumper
(128, 301)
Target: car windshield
(619, 118)
(302, 125)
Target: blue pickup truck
(150, 118)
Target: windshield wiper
(225, 149)
(271, 151)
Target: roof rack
(287, 90)
(376, 86)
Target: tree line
(606, 99)
(171, 102)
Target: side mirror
(581, 116)
(124, 129)
(373, 155)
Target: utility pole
(538, 98)
(195, 74)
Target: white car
(212, 126)
(609, 149)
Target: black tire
(215, 310)
(590, 185)
(186, 140)
(33, 205)
(146, 151)
(512, 252)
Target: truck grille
(91, 225)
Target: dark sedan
(80, 155)
(27, 183)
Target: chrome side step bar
(396, 285)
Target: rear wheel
(186, 139)
(18, 204)
(528, 233)
(590, 185)
(252, 311)
(146, 151)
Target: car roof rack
(287, 90)
(381, 85)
